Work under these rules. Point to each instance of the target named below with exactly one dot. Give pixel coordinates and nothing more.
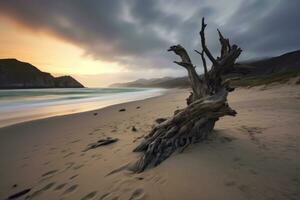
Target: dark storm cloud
(267, 27)
(97, 26)
(137, 33)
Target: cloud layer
(136, 33)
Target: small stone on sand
(133, 129)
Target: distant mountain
(267, 70)
(15, 74)
(166, 82)
(287, 62)
(67, 82)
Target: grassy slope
(266, 79)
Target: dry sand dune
(252, 156)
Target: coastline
(27, 111)
(250, 156)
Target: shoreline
(250, 156)
(102, 104)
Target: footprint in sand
(103, 196)
(252, 131)
(19, 194)
(24, 165)
(72, 177)
(34, 150)
(69, 165)
(78, 167)
(230, 183)
(26, 158)
(226, 139)
(137, 194)
(296, 180)
(70, 189)
(117, 150)
(52, 149)
(252, 171)
(46, 163)
(59, 187)
(75, 141)
(82, 154)
(236, 159)
(40, 191)
(245, 189)
(97, 156)
(89, 195)
(158, 179)
(69, 154)
(119, 169)
(139, 178)
(64, 150)
(49, 173)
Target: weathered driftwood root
(206, 104)
(189, 126)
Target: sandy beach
(254, 155)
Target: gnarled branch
(225, 45)
(203, 62)
(196, 83)
(204, 47)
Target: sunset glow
(49, 53)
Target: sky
(100, 42)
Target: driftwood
(205, 105)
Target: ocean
(22, 105)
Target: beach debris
(101, 142)
(134, 129)
(19, 194)
(14, 185)
(122, 110)
(206, 104)
(160, 120)
(138, 107)
(95, 114)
